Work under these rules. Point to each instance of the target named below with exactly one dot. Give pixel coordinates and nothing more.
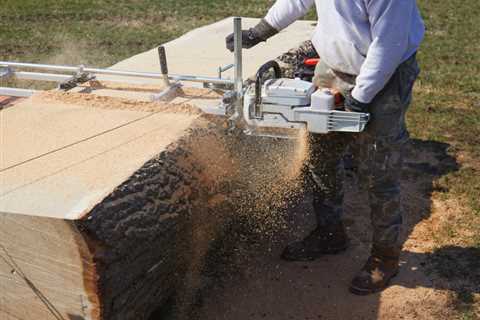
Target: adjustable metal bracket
(79, 78)
(171, 87)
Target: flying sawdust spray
(244, 178)
(269, 176)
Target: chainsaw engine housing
(296, 104)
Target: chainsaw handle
(272, 64)
(311, 62)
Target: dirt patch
(265, 287)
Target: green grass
(447, 109)
(447, 95)
(103, 32)
(447, 102)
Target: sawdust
(187, 92)
(264, 174)
(270, 177)
(103, 84)
(94, 101)
(244, 179)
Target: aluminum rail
(14, 92)
(54, 77)
(151, 75)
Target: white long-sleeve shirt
(367, 38)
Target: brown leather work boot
(381, 267)
(323, 240)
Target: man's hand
(352, 104)
(251, 37)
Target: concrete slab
(202, 51)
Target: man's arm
(390, 22)
(280, 15)
(285, 12)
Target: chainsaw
(269, 106)
(282, 106)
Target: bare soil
(256, 284)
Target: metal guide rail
(10, 70)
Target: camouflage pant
(375, 154)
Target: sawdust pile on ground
(433, 283)
(94, 101)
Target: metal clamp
(78, 78)
(223, 69)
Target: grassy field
(447, 102)
(102, 32)
(447, 96)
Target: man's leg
(381, 155)
(326, 174)
(325, 178)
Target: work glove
(352, 104)
(251, 37)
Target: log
(114, 255)
(109, 220)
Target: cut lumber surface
(62, 159)
(46, 270)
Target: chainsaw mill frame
(14, 70)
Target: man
(367, 52)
